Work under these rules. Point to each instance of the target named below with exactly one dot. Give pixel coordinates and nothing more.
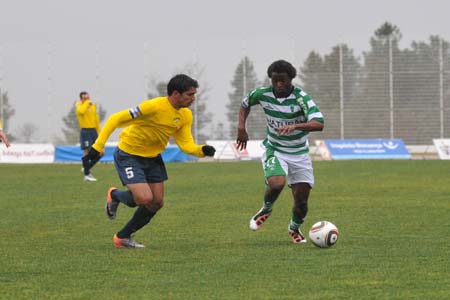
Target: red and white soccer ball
(324, 234)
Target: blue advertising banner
(74, 153)
(367, 149)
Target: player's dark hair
(83, 93)
(282, 66)
(181, 83)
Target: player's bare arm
(312, 125)
(242, 137)
(4, 138)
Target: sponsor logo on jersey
(277, 123)
(176, 122)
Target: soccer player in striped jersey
(86, 112)
(3, 137)
(138, 161)
(291, 114)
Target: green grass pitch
(394, 219)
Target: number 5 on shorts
(129, 172)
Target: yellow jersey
(148, 128)
(87, 114)
(1, 124)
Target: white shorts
(297, 167)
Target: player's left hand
(208, 150)
(285, 129)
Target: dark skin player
(282, 88)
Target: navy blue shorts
(87, 137)
(138, 169)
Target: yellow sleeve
(117, 120)
(183, 138)
(1, 125)
(82, 107)
(120, 119)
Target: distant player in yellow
(137, 159)
(87, 116)
(3, 137)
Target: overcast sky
(99, 45)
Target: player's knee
(155, 205)
(277, 185)
(300, 196)
(143, 200)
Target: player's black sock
(125, 197)
(93, 162)
(86, 168)
(140, 218)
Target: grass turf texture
(56, 242)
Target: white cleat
(257, 221)
(90, 178)
(297, 236)
(126, 243)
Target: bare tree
(26, 133)
(6, 112)
(201, 116)
(159, 89)
(72, 130)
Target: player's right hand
(242, 139)
(208, 150)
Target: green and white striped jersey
(297, 108)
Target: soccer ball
(324, 234)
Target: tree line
(364, 84)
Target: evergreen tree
(72, 131)
(321, 78)
(417, 90)
(372, 111)
(311, 75)
(244, 81)
(6, 111)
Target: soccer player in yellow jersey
(137, 159)
(3, 137)
(87, 116)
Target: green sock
(295, 223)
